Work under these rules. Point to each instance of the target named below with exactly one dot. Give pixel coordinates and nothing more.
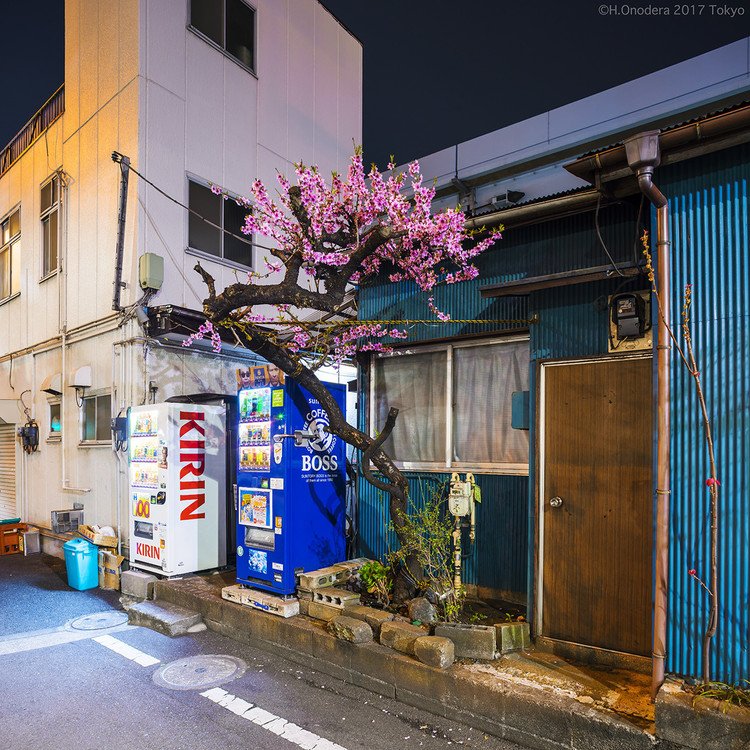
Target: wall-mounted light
(81, 380)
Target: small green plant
(727, 695)
(426, 535)
(376, 580)
(477, 618)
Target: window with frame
(455, 405)
(49, 213)
(55, 421)
(220, 234)
(96, 414)
(229, 24)
(10, 254)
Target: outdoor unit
(66, 520)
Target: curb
(531, 717)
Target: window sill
(216, 259)
(50, 275)
(95, 444)
(219, 48)
(56, 439)
(10, 299)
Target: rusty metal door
(596, 504)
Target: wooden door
(597, 543)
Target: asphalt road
(89, 694)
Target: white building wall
(138, 81)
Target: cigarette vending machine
(290, 485)
(177, 483)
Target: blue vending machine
(291, 483)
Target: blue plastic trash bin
(82, 564)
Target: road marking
(47, 638)
(281, 727)
(139, 657)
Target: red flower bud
(710, 482)
(691, 572)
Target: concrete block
(322, 611)
(304, 606)
(336, 597)
(470, 641)
(317, 579)
(262, 600)
(400, 636)
(421, 609)
(703, 724)
(349, 629)
(137, 584)
(168, 619)
(512, 636)
(373, 617)
(434, 651)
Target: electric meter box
(291, 483)
(151, 271)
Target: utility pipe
(643, 156)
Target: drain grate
(100, 620)
(199, 672)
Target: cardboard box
(109, 569)
(101, 539)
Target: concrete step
(165, 618)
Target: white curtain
(484, 377)
(416, 385)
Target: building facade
(195, 94)
(572, 534)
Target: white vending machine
(177, 480)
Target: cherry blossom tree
(326, 240)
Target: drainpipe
(643, 155)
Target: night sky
(437, 72)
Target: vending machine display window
(256, 508)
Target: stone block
(400, 636)
(168, 619)
(512, 636)
(334, 596)
(373, 617)
(323, 612)
(304, 606)
(434, 651)
(421, 609)
(348, 629)
(470, 641)
(137, 584)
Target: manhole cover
(199, 672)
(100, 620)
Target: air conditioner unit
(64, 521)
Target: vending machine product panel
(290, 485)
(177, 487)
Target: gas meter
(462, 499)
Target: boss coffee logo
(318, 456)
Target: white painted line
(145, 660)
(47, 638)
(285, 729)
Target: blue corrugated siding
(709, 219)
(497, 559)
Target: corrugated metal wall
(572, 322)
(708, 200)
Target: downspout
(643, 155)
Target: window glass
(103, 415)
(15, 267)
(46, 196)
(240, 31)
(14, 221)
(50, 238)
(236, 249)
(5, 272)
(484, 377)
(55, 424)
(203, 236)
(89, 418)
(416, 386)
(208, 17)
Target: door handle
(555, 502)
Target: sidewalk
(537, 700)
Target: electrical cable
(599, 235)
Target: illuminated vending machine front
(177, 487)
(290, 488)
